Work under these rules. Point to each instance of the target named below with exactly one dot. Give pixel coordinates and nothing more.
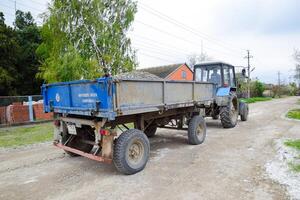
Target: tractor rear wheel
(229, 113)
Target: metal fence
(22, 110)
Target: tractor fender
(223, 96)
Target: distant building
(171, 72)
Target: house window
(183, 74)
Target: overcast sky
(167, 31)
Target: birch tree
(86, 39)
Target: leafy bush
(293, 89)
(257, 88)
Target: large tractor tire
(131, 151)
(150, 130)
(84, 133)
(196, 130)
(244, 111)
(229, 114)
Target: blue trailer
(88, 114)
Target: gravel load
(138, 75)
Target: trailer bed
(109, 97)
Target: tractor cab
(219, 73)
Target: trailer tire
(84, 133)
(229, 113)
(196, 130)
(131, 151)
(151, 130)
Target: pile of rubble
(138, 75)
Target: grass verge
(294, 114)
(296, 145)
(294, 167)
(18, 136)
(293, 143)
(256, 99)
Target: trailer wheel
(244, 111)
(151, 130)
(131, 151)
(196, 130)
(229, 113)
(84, 133)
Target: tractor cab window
(228, 76)
(210, 74)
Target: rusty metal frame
(87, 155)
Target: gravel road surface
(229, 165)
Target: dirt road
(229, 165)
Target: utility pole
(278, 78)
(248, 57)
(279, 83)
(201, 47)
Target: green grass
(31, 134)
(294, 114)
(294, 167)
(293, 143)
(256, 99)
(296, 145)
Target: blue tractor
(226, 105)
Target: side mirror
(244, 72)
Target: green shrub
(257, 88)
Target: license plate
(72, 129)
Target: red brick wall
(17, 114)
(38, 110)
(3, 115)
(177, 74)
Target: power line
(181, 38)
(159, 48)
(158, 44)
(192, 30)
(37, 2)
(26, 6)
(158, 52)
(156, 57)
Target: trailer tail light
(56, 123)
(104, 132)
